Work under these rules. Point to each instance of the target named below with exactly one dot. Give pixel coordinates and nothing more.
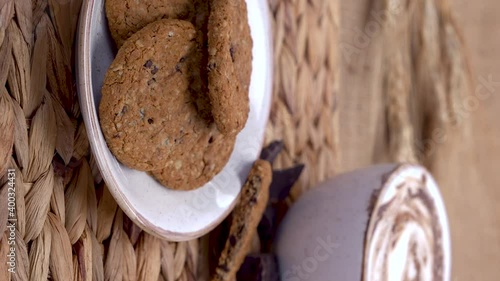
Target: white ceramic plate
(174, 215)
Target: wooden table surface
(468, 163)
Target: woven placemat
(303, 112)
(68, 226)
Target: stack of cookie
(176, 95)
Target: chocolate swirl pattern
(408, 235)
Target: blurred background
(464, 158)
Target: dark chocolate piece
(283, 181)
(259, 267)
(271, 151)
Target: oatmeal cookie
(229, 64)
(146, 107)
(126, 17)
(197, 163)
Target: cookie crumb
(230, 64)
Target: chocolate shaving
(271, 151)
(283, 181)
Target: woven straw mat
(68, 225)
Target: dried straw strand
(42, 140)
(76, 196)
(37, 204)
(22, 260)
(57, 205)
(167, 260)
(105, 213)
(6, 15)
(21, 146)
(6, 131)
(4, 212)
(60, 263)
(18, 78)
(113, 267)
(4, 251)
(129, 259)
(39, 254)
(426, 76)
(148, 257)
